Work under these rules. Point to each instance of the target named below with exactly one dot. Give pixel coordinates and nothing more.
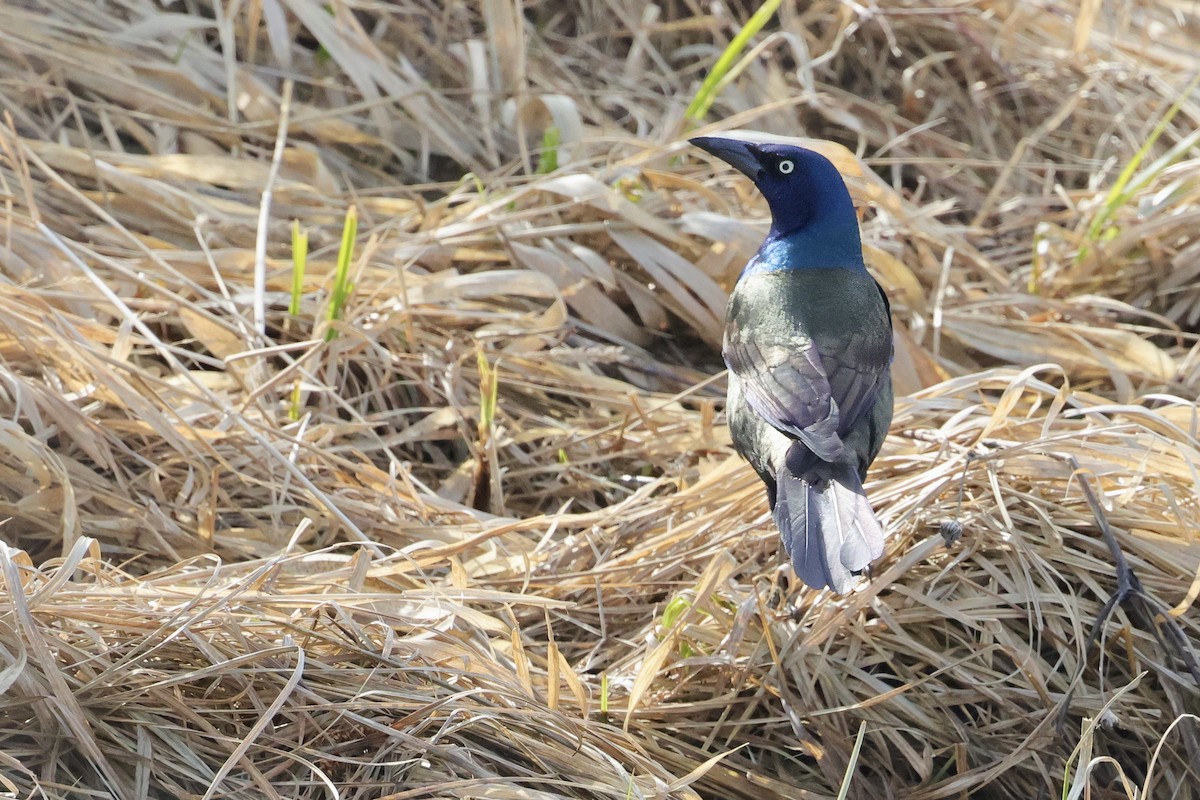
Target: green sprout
(341, 277)
(299, 262)
(707, 94)
(489, 387)
(476, 181)
(676, 608)
(1129, 182)
(549, 159)
(294, 402)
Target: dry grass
(245, 557)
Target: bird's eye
(786, 166)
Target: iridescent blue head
(813, 223)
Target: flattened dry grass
(484, 535)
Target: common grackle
(808, 343)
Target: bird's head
(802, 187)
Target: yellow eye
(786, 166)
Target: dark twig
(1144, 610)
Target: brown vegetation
(249, 553)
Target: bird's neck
(813, 246)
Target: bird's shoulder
(808, 292)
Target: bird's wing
(854, 383)
(856, 379)
(784, 382)
(813, 392)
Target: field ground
(452, 512)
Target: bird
(808, 344)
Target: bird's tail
(825, 520)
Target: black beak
(743, 156)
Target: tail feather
(825, 520)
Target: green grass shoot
(707, 94)
(1129, 181)
(1037, 265)
(548, 161)
(489, 386)
(299, 263)
(341, 277)
(676, 608)
(476, 181)
(294, 401)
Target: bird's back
(843, 312)
(843, 317)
